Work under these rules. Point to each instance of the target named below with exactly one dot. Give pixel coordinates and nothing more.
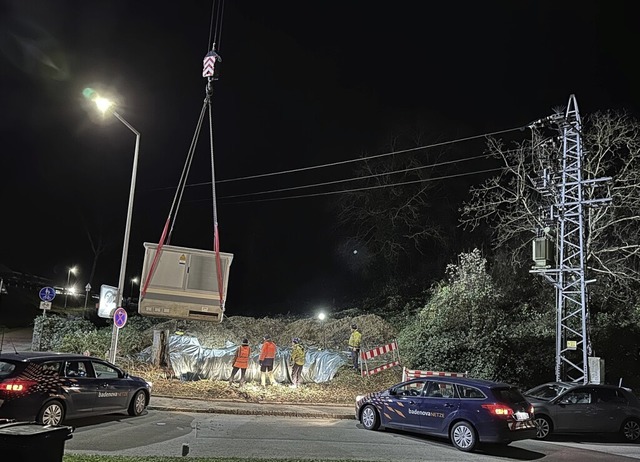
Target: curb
(272, 412)
(226, 406)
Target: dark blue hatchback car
(466, 411)
(50, 387)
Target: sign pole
(114, 343)
(119, 320)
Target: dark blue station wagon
(466, 411)
(51, 387)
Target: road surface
(161, 433)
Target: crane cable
(209, 71)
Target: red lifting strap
(156, 258)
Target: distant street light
(321, 317)
(133, 282)
(106, 106)
(73, 270)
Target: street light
(106, 106)
(73, 270)
(321, 317)
(133, 281)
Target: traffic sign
(45, 305)
(47, 294)
(108, 297)
(120, 317)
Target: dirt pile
(330, 333)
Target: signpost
(87, 289)
(119, 320)
(47, 294)
(108, 296)
(120, 317)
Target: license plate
(521, 415)
(521, 425)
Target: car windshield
(547, 391)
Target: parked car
(50, 387)
(562, 407)
(466, 411)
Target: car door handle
(104, 385)
(449, 405)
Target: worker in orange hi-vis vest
(241, 361)
(267, 358)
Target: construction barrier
(380, 358)
(408, 374)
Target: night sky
(302, 84)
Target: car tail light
(499, 410)
(16, 385)
(531, 410)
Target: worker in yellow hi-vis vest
(354, 345)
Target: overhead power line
(341, 191)
(360, 159)
(346, 180)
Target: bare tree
(510, 202)
(389, 212)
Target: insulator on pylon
(211, 65)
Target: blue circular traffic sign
(120, 317)
(47, 294)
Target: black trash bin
(32, 442)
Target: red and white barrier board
(391, 358)
(379, 369)
(408, 374)
(366, 355)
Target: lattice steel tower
(563, 184)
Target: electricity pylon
(563, 182)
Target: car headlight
(359, 397)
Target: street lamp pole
(66, 288)
(104, 105)
(127, 232)
(321, 317)
(133, 281)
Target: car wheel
(463, 436)
(631, 430)
(51, 413)
(543, 427)
(369, 418)
(138, 403)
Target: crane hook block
(210, 65)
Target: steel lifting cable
(209, 71)
(175, 205)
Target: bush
(469, 325)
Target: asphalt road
(165, 433)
